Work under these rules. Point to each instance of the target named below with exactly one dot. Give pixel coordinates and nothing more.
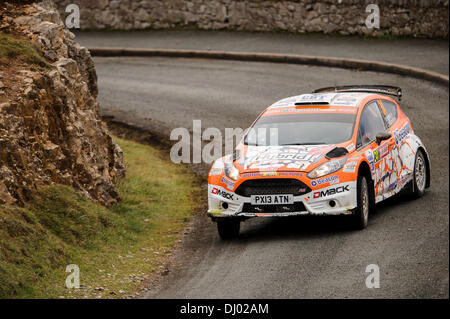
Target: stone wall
(418, 18)
(50, 128)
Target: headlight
(327, 168)
(231, 171)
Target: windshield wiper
(311, 143)
(252, 144)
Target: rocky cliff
(50, 128)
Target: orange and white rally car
(337, 151)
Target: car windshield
(301, 129)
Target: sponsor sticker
(290, 174)
(284, 102)
(331, 191)
(401, 134)
(351, 147)
(392, 186)
(370, 159)
(215, 171)
(229, 184)
(350, 167)
(221, 193)
(269, 174)
(318, 158)
(404, 180)
(345, 100)
(278, 156)
(262, 174)
(314, 97)
(381, 152)
(321, 181)
(308, 109)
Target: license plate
(272, 199)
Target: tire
(419, 175)
(229, 228)
(360, 217)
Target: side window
(371, 123)
(391, 112)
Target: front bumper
(323, 201)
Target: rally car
(337, 151)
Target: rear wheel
(420, 175)
(360, 217)
(228, 228)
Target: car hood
(280, 158)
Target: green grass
(114, 247)
(22, 50)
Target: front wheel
(228, 228)
(360, 218)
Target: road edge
(344, 63)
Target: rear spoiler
(381, 89)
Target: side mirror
(383, 136)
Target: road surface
(423, 53)
(289, 258)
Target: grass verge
(21, 50)
(115, 248)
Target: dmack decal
(332, 191)
(330, 179)
(226, 195)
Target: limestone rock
(52, 133)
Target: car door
(394, 162)
(370, 124)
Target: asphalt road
(289, 258)
(423, 53)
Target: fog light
(224, 205)
(332, 203)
